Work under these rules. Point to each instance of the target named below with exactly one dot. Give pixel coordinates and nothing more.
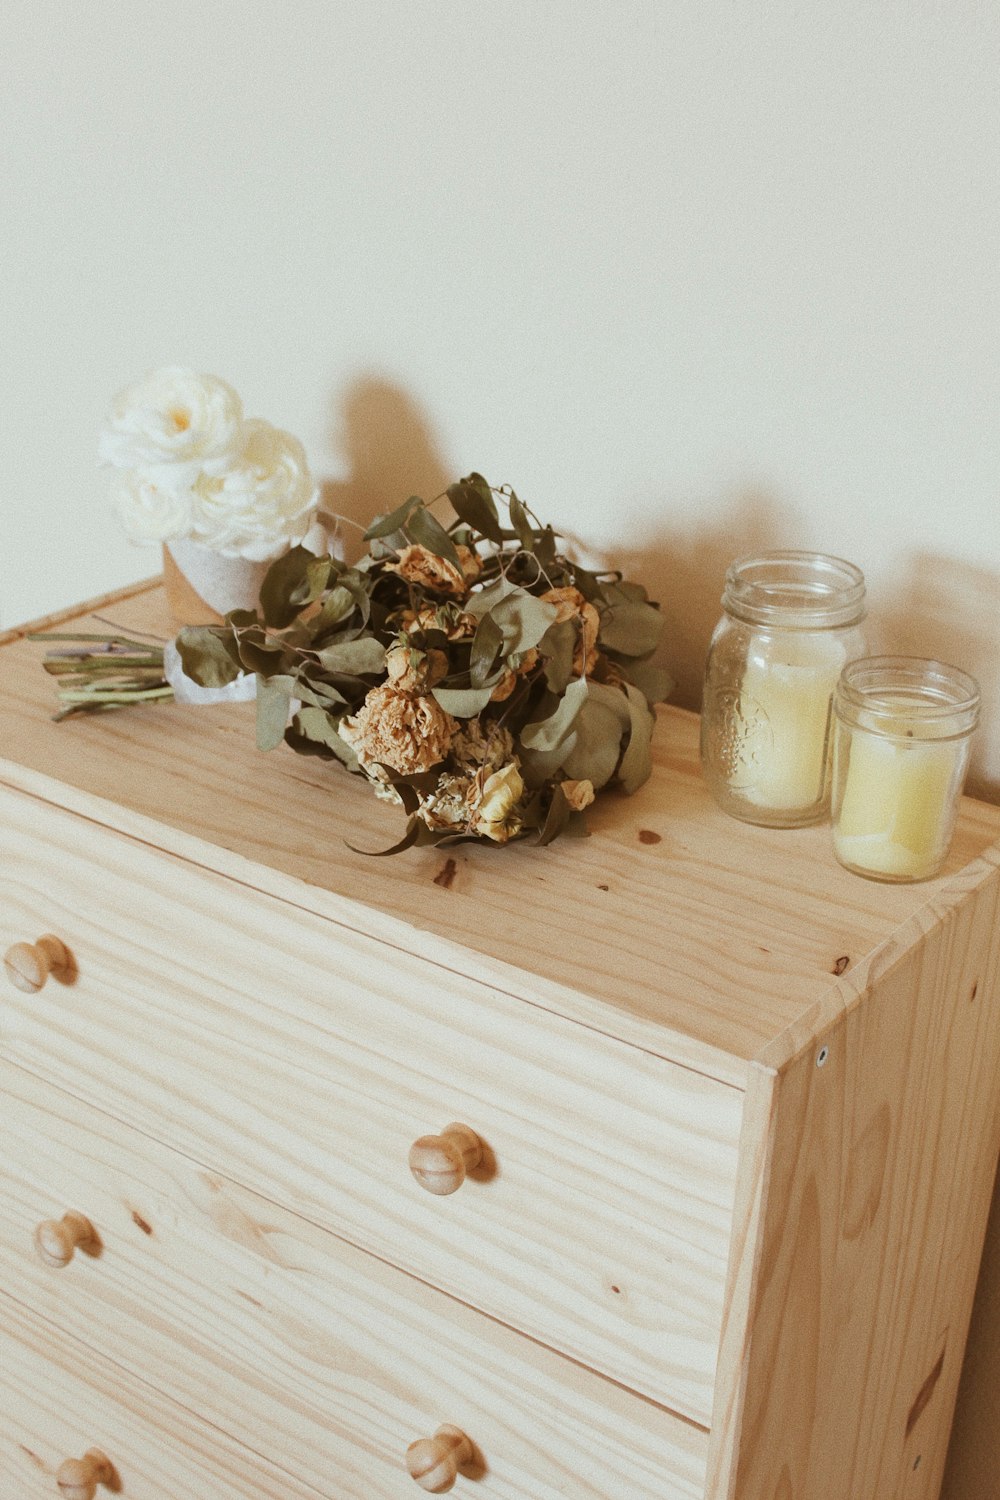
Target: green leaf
(556, 818)
(654, 682)
(520, 522)
(557, 647)
(545, 548)
(287, 584)
(547, 741)
(463, 703)
(208, 654)
(597, 743)
(364, 657)
(486, 642)
(273, 702)
(637, 763)
(472, 501)
(318, 729)
(394, 520)
(632, 627)
(426, 530)
(522, 618)
(337, 606)
(258, 654)
(410, 837)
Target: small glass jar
(791, 623)
(902, 732)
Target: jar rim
(932, 697)
(795, 590)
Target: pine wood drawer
(58, 1399)
(303, 1059)
(324, 1359)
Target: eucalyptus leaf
(556, 818)
(337, 606)
(209, 656)
(520, 522)
(597, 742)
(557, 646)
(273, 703)
(317, 732)
(631, 627)
(428, 532)
(463, 703)
(472, 501)
(364, 657)
(394, 520)
(285, 578)
(486, 642)
(488, 598)
(548, 740)
(654, 682)
(410, 837)
(637, 763)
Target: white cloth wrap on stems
(320, 539)
(243, 690)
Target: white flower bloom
(173, 417)
(149, 511)
(263, 503)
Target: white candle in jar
(789, 680)
(898, 807)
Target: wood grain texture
(280, 1334)
(884, 1135)
(58, 1398)
(612, 930)
(304, 1061)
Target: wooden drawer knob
(440, 1162)
(56, 1239)
(28, 965)
(434, 1462)
(78, 1478)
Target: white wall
(694, 275)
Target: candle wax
(898, 807)
(791, 679)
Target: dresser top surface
(670, 915)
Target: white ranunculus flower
(263, 503)
(150, 511)
(174, 417)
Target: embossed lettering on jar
(791, 623)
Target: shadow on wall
(684, 569)
(951, 611)
(935, 607)
(391, 453)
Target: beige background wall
(695, 276)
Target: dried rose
(405, 731)
(455, 624)
(579, 794)
(417, 564)
(494, 802)
(413, 671)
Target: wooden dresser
(653, 1166)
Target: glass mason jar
(902, 732)
(791, 622)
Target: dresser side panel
(886, 1132)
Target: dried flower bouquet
(472, 673)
